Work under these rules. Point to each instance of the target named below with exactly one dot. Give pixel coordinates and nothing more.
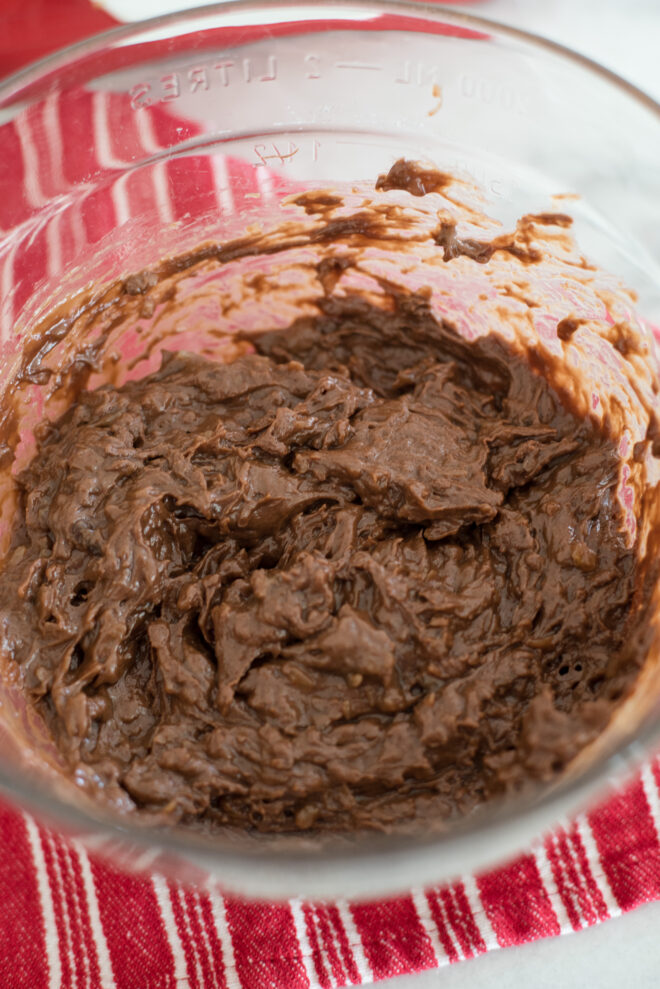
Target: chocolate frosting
(369, 574)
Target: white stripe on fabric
(47, 907)
(450, 930)
(158, 171)
(423, 909)
(163, 898)
(144, 860)
(120, 199)
(76, 914)
(7, 296)
(580, 889)
(31, 177)
(354, 941)
(70, 939)
(102, 952)
(593, 857)
(203, 949)
(71, 911)
(145, 129)
(223, 189)
(340, 947)
(456, 926)
(481, 918)
(55, 146)
(324, 949)
(548, 880)
(176, 893)
(106, 157)
(162, 193)
(220, 920)
(78, 228)
(651, 794)
(101, 132)
(265, 183)
(228, 965)
(300, 925)
(57, 889)
(54, 246)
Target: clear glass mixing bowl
(150, 139)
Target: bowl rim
(31, 73)
(394, 862)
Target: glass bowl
(150, 139)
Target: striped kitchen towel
(69, 920)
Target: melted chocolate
(412, 177)
(368, 575)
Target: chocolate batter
(369, 575)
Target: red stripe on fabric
(127, 146)
(517, 903)
(242, 176)
(76, 123)
(266, 947)
(184, 936)
(468, 921)
(82, 911)
(15, 208)
(575, 880)
(68, 238)
(597, 899)
(317, 957)
(170, 129)
(454, 918)
(329, 944)
(71, 908)
(393, 937)
(141, 195)
(124, 138)
(243, 179)
(191, 186)
(140, 952)
(23, 960)
(58, 909)
(31, 30)
(52, 125)
(97, 212)
(214, 941)
(32, 120)
(627, 843)
(30, 267)
(344, 945)
(432, 896)
(564, 888)
(197, 938)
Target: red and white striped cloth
(70, 920)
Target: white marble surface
(623, 35)
(624, 953)
(619, 954)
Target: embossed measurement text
(200, 78)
